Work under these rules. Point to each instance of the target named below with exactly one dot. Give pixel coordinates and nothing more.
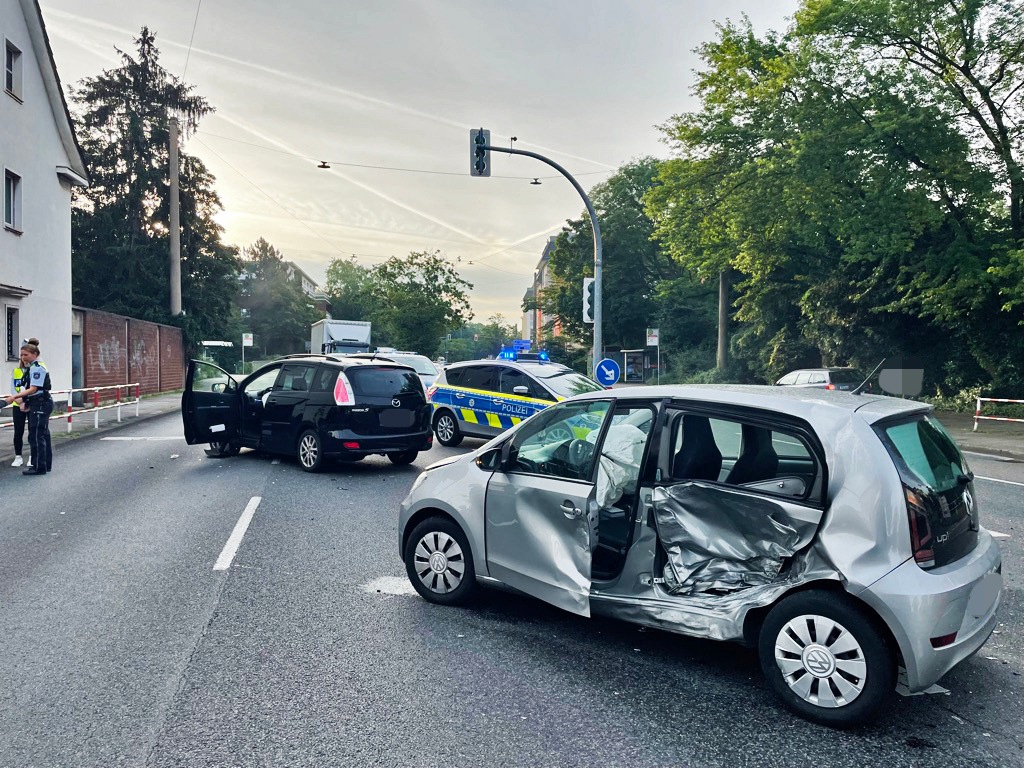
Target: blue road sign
(607, 372)
(521, 345)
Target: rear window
(847, 376)
(929, 453)
(383, 382)
(931, 465)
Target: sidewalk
(1001, 438)
(82, 423)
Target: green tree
(632, 262)
(418, 300)
(120, 224)
(350, 289)
(278, 312)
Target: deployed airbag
(721, 540)
(619, 462)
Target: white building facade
(41, 162)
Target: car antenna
(860, 387)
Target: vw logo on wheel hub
(438, 563)
(818, 660)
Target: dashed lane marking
(235, 539)
(998, 535)
(997, 480)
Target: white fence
(94, 395)
(977, 411)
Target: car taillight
(343, 394)
(830, 386)
(921, 543)
(943, 641)
(431, 390)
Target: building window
(13, 347)
(12, 201)
(12, 69)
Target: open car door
(210, 408)
(541, 508)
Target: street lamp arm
(595, 227)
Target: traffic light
(588, 300)
(479, 158)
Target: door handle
(459, 395)
(570, 510)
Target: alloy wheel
(821, 661)
(308, 450)
(445, 428)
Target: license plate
(397, 418)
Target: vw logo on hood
(396, 402)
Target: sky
(398, 85)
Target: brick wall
(122, 350)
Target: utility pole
(479, 147)
(175, 223)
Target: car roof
(532, 366)
(793, 401)
(341, 361)
(823, 370)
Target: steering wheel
(580, 453)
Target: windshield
(418, 362)
(568, 383)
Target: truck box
(341, 336)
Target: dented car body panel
(741, 496)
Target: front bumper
(919, 605)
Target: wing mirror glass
(491, 460)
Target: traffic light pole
(597, 241)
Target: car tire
(439, 562)
(309, 451)
(223, 449)
(405, 457)
(827, 658)
(446, 427)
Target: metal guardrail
(977, 411)
(96, 400)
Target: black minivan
(314, 407)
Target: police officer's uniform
(20, 382)
(40, 407)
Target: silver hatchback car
(837, 533)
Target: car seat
(757, 460)
(698, 457)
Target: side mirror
(218, 387)
(491, 461)
(520, 390)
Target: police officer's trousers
(39, 434)
(20, 417)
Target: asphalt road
(122, 646)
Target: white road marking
(996, 480)
(390, 585)
(275, 461)
(168, 437)
(992, 457)
(998, 535)
(228, 553)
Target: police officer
(40, 406)
(19, 379)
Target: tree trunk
(723, 318)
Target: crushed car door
(723, 529)
(541, 508)
(209, 404)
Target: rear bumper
(334, 443)
(919, 605)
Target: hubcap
(821, 661)
(308, 451)
(445, 428)
(439, 562)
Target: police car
(482, 398)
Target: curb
(997, 453)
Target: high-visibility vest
(20, 378)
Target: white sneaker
(29, 465)
(18, 461)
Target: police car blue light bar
(514, 354)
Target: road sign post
(246, 342)
(653, 340)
